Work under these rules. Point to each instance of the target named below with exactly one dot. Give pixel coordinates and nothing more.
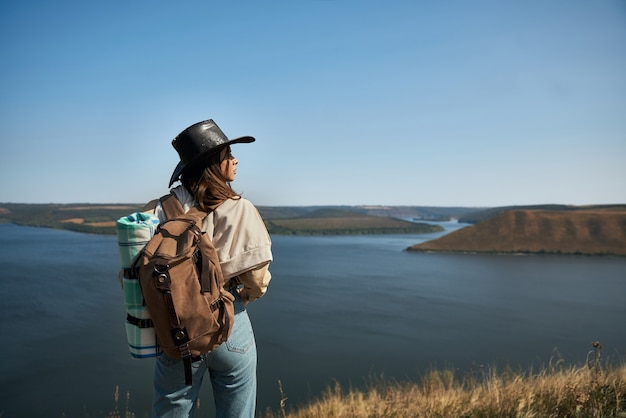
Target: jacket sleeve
(240, 238)
(255, 281)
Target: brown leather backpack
(183, 286)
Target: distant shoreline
(517, 230)
(313, 221)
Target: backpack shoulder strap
(171, 206)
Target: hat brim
(181, 165)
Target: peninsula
(584, 230)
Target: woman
(243, 245)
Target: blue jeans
(232, 369)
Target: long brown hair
(205, 181)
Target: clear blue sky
(356, 102)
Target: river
(345, 309)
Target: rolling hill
(101, 219)
(594, 231)
(345, 222)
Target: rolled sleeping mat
(133, 233)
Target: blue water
(343, 309)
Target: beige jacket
(240, 238)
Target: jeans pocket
(241, 337)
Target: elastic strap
(138, 322)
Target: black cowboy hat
(199, 141)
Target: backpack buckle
(180, 336)
(217, 304)
(161, 277)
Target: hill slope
(484, 214)
(345, 222)
(101, 218)
(589, 232)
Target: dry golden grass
(595, 390)
(555, 392)
(104, 223)
(82, 221)
(73, 220)
(100, 207)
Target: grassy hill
(430, 213)
(345, 222)
(90, 218)
(596, 231)
(477, 216)
(101, 218)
